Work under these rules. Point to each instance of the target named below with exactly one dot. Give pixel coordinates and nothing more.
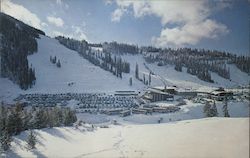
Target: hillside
(214, 137)
(84, 76)
(77, 75)
(17, 41)
(186, 80)
(31, 69)
(124, 79)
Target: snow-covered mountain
(83, 76)
(110, 125)
(75, 75)
(78, 75)
(86, 77)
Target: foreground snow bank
(213, 137)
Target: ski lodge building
(155, 95)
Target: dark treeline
(95, 44)
(18, 40)
(242, 62)
(198, 62)
(150, 49)
(114, 64)
(146, 79)
(15, 119)
(79, 46)
(120, 48)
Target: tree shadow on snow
(38, 154)
(57, 133)
(11, 154)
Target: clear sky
(209, 24)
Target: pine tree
(136, 71)
(225, 110)
(130, 81)
(5, 140)
(57, 116)
(206, 109)
(214, 111)
(39, 119)
(3, 117)
(210, 111)
(14, 121)
(58, 64)
(26, 120)
(50, 116)
(31, 140)
(149, 78)
(68, 117)
(144, 80)
(54, 60)
(18, 114)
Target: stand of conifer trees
(16, 119)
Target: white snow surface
(188, 81)
(85, 76)
(211, 137)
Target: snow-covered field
(211, 137)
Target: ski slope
(211, 137)
(167, 75)
(188, 81)
(82, 76)
(75, 69)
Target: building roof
(219, 92)
(158, 91)
(164, 87)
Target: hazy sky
(209, 24)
